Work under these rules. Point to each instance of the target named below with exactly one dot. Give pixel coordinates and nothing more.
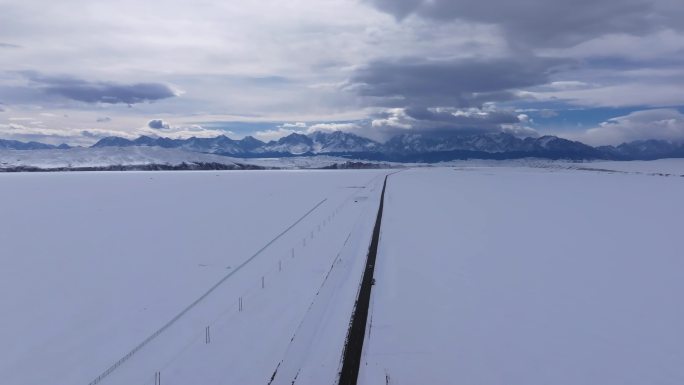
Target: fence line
(154, 335)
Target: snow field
(498, 276)
(486, 274)
(94, 263)
(248, 345)
(673, 167)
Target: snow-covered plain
(670, 167)
(94, 263)
(516, 275)
(673, 167)
(487, 273)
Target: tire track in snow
(351, 358)
(289, 368)
(310, 317)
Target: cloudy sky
(600, 71)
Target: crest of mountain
(17, 145)
(421, 143)
(158, 142)
(555, 147)
(411, 147)
(319, 142)
(645, 150)
(294, 144)
(490, 146)
(341, 142)
(249, 143)
(218, 145)
(114, 141)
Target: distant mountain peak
(412, 146)
(113, 141)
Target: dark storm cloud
(158, 124)
(546, 23)
(458, 83)
(99, 92)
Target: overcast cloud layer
(602, 71)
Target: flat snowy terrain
(499, 276)
(673, 167)
(530, 272)
(95, 263)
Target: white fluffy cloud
(304, 128)
(519, 130)
(663, 124)
(182, 132)
(294, 125)
(450, 120)
(275, 134)
(330, 127)
(30, 129)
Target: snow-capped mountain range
(293, 144)
(406, 147)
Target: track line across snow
(351, 359)
(199, 299)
